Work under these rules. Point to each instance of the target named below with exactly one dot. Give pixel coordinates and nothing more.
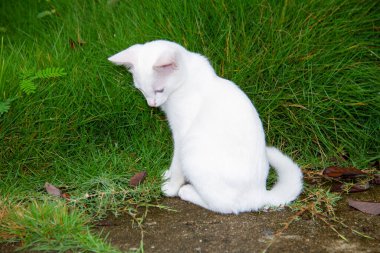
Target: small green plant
(28, 86)
(27, 83)
(5, 105)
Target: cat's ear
(127, 57)
(166, 63)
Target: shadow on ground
(193, 229)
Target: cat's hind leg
(188, 193)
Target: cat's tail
(289, 178)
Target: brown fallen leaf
(72, 43)
(137, 179)
(335, 171)
(52, 190)
(65, 196)
(376, 179)
(340, 187)
(365, 206)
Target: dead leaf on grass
(365, 206)
(358, 187)
(137, 179)
(335, 171)
(52, 190)
(65, 196)
(376, 179)
(74, 43)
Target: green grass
(51, 226)
(311, 68)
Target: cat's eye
(159, 91)
(169, 65)
(165, 67)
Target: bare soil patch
(193, 229)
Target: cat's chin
(155, 103)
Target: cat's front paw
(170, 189)
(166, 175)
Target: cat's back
(228, 110)
(227, 126)
(211, 105)
(230, 99)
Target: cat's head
(156, 68)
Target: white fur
(220, 160)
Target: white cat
(220, 157)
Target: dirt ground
(193, 229)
